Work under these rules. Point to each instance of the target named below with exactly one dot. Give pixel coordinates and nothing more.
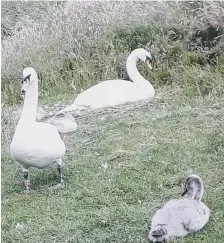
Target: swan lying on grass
(116, 92)
(180, 217)
(35, 144)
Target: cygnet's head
(193, 187)
(143, 55)
(29, 75)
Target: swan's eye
(149, 59)
(26, 79)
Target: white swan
(116, 92)
(65, 123)
(35, 144)
(182, 216)
(40, 114)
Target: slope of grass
(149, 149)
(81, 43)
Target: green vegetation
(84, 43)
(149, 147)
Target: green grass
(149, 148)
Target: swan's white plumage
(123, 90)
(116, 92)
(180, 217)
(35, 144)
(40, 113)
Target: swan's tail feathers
(158, 234)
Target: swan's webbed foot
(58, 186)
(28, 190)
(61, 184)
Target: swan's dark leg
(61, 176)
(26, 181)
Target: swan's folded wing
(110, 91)
(45, 141)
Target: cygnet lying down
(180, 217)
(64, 122)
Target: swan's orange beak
(149, 64)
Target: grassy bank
(122, 163)
(148, 149)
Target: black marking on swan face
(27, 78)
(148, 59)
(23, 92)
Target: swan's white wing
(37, 145)
(47, 138)
(109, 93)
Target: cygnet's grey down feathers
(180, 217)
(65, 123)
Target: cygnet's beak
(184, 192)
(149, 64)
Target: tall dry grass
(86, 42)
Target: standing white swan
(116, 92)
(180, 217)
(35, 144)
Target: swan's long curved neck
(134, 74)
(198, 189)
(29, 112)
